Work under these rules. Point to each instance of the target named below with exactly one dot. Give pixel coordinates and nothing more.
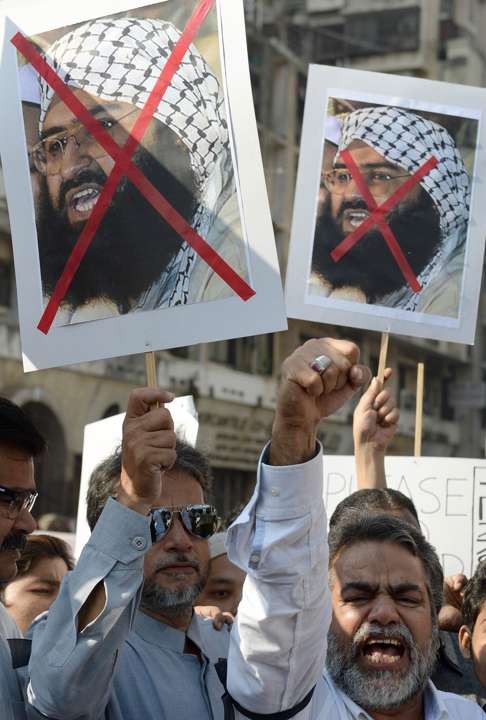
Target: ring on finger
(320, 364)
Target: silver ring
(320, 364)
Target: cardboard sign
(387, 230)
(134, 180)
(449, 495)
(103, 437)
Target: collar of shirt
(157, 632)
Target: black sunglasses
(200, 520)
(17, 500)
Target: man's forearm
(292, 445)
(370, 468)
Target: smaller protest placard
(449, 495)
(134, 179)
(103, 437)
(387, 230)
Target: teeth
(377, 658)
(85, 200)
(385, 641)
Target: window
(5, 283)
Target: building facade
(234, 382)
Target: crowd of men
(158, 618)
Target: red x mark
(124, 166)
(378, 214)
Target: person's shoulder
(8, 627)
(459, 707)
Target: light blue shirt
(124, 665)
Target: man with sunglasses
(141, 653)
(20, 443)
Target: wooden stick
(419, 412)
(151, 369)
(383, 353)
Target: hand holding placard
(148, 448)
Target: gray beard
(381, 690)
(170, 602)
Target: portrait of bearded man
(430, 222)
(136, 260)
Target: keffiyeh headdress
(409, 140)
(122, 60)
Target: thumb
(368, 397)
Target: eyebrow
(368, 166)
(95, 110)
(373, 588)
(46, 581)
(221, 581)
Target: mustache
(368, 630)
(92, 175)
(166, 562)
(357, 204)
(14, 541)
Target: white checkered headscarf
(122, 60)
(409, 140)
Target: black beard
(14, 541)
(133, 244)
(369, 265)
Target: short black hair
(358, 526)
(374, 499)
(18, 431)
(474, 596)
(105, 477)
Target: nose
(25, 522)
(178, 538)
(383, 611)
(74, 158)
(352, 190)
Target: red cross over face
(382, 178)
(378, 229)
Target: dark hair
(369, 500)
(39, 547)
(105, 477)
(474, 596)
(18, 431)
(358, 526)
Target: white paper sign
(449, 495)
(103, 437)
(146, 277)
(388, 226)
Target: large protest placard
(134, 179)
(388, 228)
(449, 494)
(103, 437)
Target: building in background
(234, 382)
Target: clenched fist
(148, 448)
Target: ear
(465, 641)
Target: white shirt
(278, 642)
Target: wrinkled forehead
(179, 489)
(380, 564)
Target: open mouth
(83, 199)
(384, 652)
(355, 217)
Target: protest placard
(134, 180)
(388, 218)
(449, 495)
(103, 437)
